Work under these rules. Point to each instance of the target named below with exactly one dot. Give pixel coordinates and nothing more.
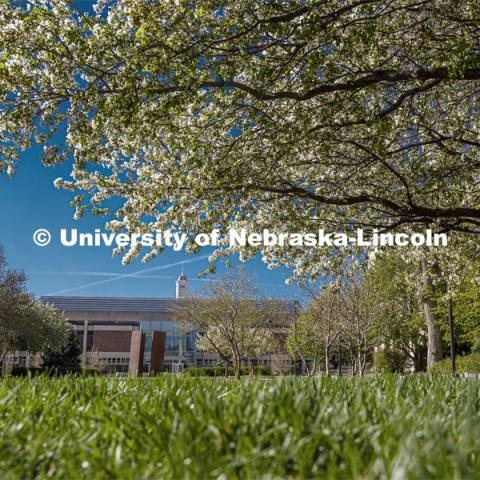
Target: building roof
(133, 304)
(110, 304)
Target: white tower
(182, 286)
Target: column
(137, 347)
(84, 346)
(158, 351)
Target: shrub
(52, 372)
(389, 361)
(67, 357)
(204, 371)
(263, 370)
(89, 372)
(219, 371)
(25, 371)
(465, 364)
(476, 344)
(382, 363)
(290, 371)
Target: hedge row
(465, 364)
(220, 371)
(52, 372)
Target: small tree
(25, 323)
(402, 328)
(360, 313)
(231, 319)
(67, 357)
(466, 306)
(303, 342)
(317, 331)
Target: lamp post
(451, 327)
(295, 368)
(452, 332)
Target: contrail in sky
(121, 276)
(113, 276)
(135, 275)
(100, 274)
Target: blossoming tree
(287, 115)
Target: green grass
(384, 427)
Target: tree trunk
(3, 356)
(435, 349)
(238, 368)
(416, 358)
(327, 361)
(353, 361)
(361, 364)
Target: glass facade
(89, 339)
(180, 341)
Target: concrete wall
(119, 317)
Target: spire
(182, 285)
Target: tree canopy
(231, 319)
(26, 323)
(288, 115)
(68, 356)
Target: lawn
(383, 427)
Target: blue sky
(29, 201)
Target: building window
(172, 343)
(89, 340)
(191, 338)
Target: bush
(290, 371)
(89, 372)
(263, 370)
(476, 344)
(389, 361)
(195, 372)
(382, 363)
(465, 364)
(52, 372)
(219, 371)
(25, 371)
(67, 357)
